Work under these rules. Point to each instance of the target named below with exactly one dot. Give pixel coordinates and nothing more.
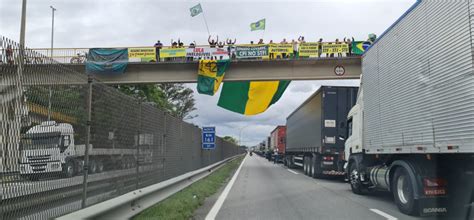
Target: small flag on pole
(196, 10)
(259, 25)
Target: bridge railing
(194, 53)
(75, 141)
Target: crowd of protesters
(215, 43)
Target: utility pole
(51, 55)
(14, 123)
(240, 134)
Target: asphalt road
(264, 190)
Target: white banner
(207, 53)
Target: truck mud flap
(434, 207)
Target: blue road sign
(209, 138)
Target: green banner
(251, 51)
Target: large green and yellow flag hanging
(251, 97)
(210, 75)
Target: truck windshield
(40, 141)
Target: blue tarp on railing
(107, 60)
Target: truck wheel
(100, 166)
(69, 169)
(354, 179)
(318, 172)
(403, 192)
(92, 166)
(305, 165)
(312, 164)
(316, 167)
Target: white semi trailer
(411, 131)
(50, 148)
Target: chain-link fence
(68, 141)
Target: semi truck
(411, 131)
(277, 140)
(314, 129)
(50, 148)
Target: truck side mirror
(341, 138)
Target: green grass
(183, 204)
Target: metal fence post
(163, 146)
(88, 139)
(138, 142)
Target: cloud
(122, 23)
(256, 128)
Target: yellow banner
(335, 48)
(309, 50)
(141, 54)
(280, 48)
(172, 52)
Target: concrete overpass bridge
(186, 72)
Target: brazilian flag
(251, 97)
(359, 47)
(259, 25)
(210, 75)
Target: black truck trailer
(316, 131)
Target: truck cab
(354, 139)
(44, 148)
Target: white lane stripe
(389, 217)
(217, 206)
(292, 171)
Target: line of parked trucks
(409, 127)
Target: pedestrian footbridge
(186, 72)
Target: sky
(123, 23)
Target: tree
(174, 98)
(230, 139)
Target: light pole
(240, 134)
(51, 54)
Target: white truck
(50, 148)
(411, 131)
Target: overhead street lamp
(51, 55)
(240, 134)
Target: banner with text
(329, 48)
(280, 48)
(207, 53)
(251, 51)
(309, 50)
(172, 52)
(141, 54)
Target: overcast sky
(122, 23)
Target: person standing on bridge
(158, 46)
(349, 43)
(338, 42)
(295, 48)
(284, 55)
(320, 47)
(230, 47)
(213, 43)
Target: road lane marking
(389, 217)
(217, 206)
(292, 171)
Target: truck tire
(318, 171)
(69, 169)
(305, 165)
(356, 185)
(403, 192)
(100, 166)
(311, 167)
(92, 166)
